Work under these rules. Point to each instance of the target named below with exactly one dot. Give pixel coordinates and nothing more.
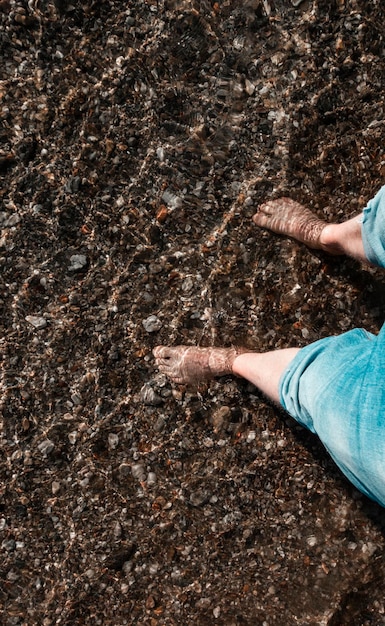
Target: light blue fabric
(373, 229)
(335, 387)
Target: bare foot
(288, 217)
(188, 364)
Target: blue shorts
(335, 387)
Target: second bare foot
(285, 216)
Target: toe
(163, 363)
(161, 352)
(267, 208)
(261, 219)
(164, 368)
(264, 212)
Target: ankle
(238, 360)
(344, 238)
(330, 239)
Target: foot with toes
(191, 365)
(285, 216)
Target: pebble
(78, 262)
(152, 324)
(151, 479)
(187, 284)
(125, 469)
(251, 436)
(198, 498)
(138, 471)
(220, 418)
(311, 541)
(72, 436)
(46, 447)
(113, 440)
(249, 87)
(72, 185)
(127, 567)
(13, 220)
(149, 396)
(117, 531)
(203, 603)
(9, 545)
(12, 576)
(55, 487)
(171, 199)
(36, 321)
(76, 399)
(159, 424)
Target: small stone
(198, 498)
(159, 424)
(162, 214)
(171, 199)
(249, 87)
(76, 399)
(78, 262)
(72, 436)
(187, 284)
(72, 185)
(13, 220)
(152, 324)
(149, 396)
(138, 471)
(9, 545)
(150, 602)
(203, 603)
(220, 418)
(117, 531)
(55, 487)
(113, 440)
(36, 321)
(125, 469)
(127, 567)
(46, 447)
(151, 479)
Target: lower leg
(264, 369)
(345, 237)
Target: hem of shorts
(368, 249)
